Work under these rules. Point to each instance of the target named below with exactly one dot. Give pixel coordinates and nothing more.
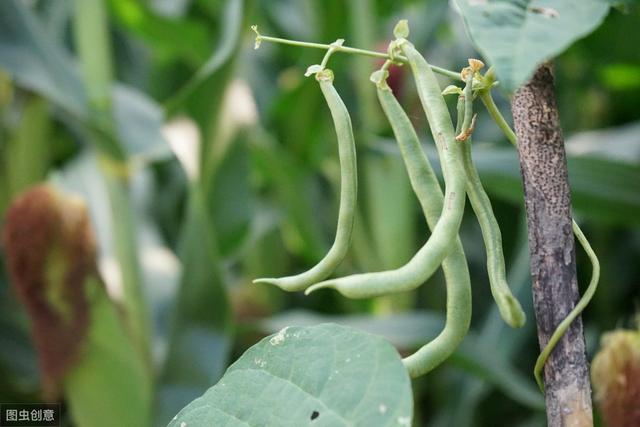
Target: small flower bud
(401, 30)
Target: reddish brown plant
(50, 251)
(616, 378)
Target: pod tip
(512, 312)
(321, 285)
(264, 280)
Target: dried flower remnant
(50, 251)
(615, 373)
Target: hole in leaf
(314, 415)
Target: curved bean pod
(454, 266)
(348, 194)
(425, 262)
(508, 305)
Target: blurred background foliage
(205, 164)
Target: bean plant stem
(553, 266)
(493, 110)
(353, 50)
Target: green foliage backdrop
(205, 164)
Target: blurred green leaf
(475, 356)
(223, 54)
(263, 252)
(108, 203)
(602, 183)
(26, 154)
(159, 267)
(55, 16)
(295, 120)
(200, 338)
(515, 36)
(621, 76)
(92, 44)
(19, 371)
(231, 202)
(139, 121)
(172, 39)
(601, 189)
(37, 63)
(295, 189)
(325, 375)
(296, 20)
(109, 383)
(362, 16)
(125, 245)
(507, 343)
(618, 144)
(93, 47)
(391, 208)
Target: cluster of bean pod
(443, 212)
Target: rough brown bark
(551, 244)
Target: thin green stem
(580, 306)
(494, 112)
(346, 49)
(334, 47)
(323, 46)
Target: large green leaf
(515, 36)
(325, 375)
(412, 329)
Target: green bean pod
(348, 194)
(508, 305)
(437, 247)
(454, 266)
